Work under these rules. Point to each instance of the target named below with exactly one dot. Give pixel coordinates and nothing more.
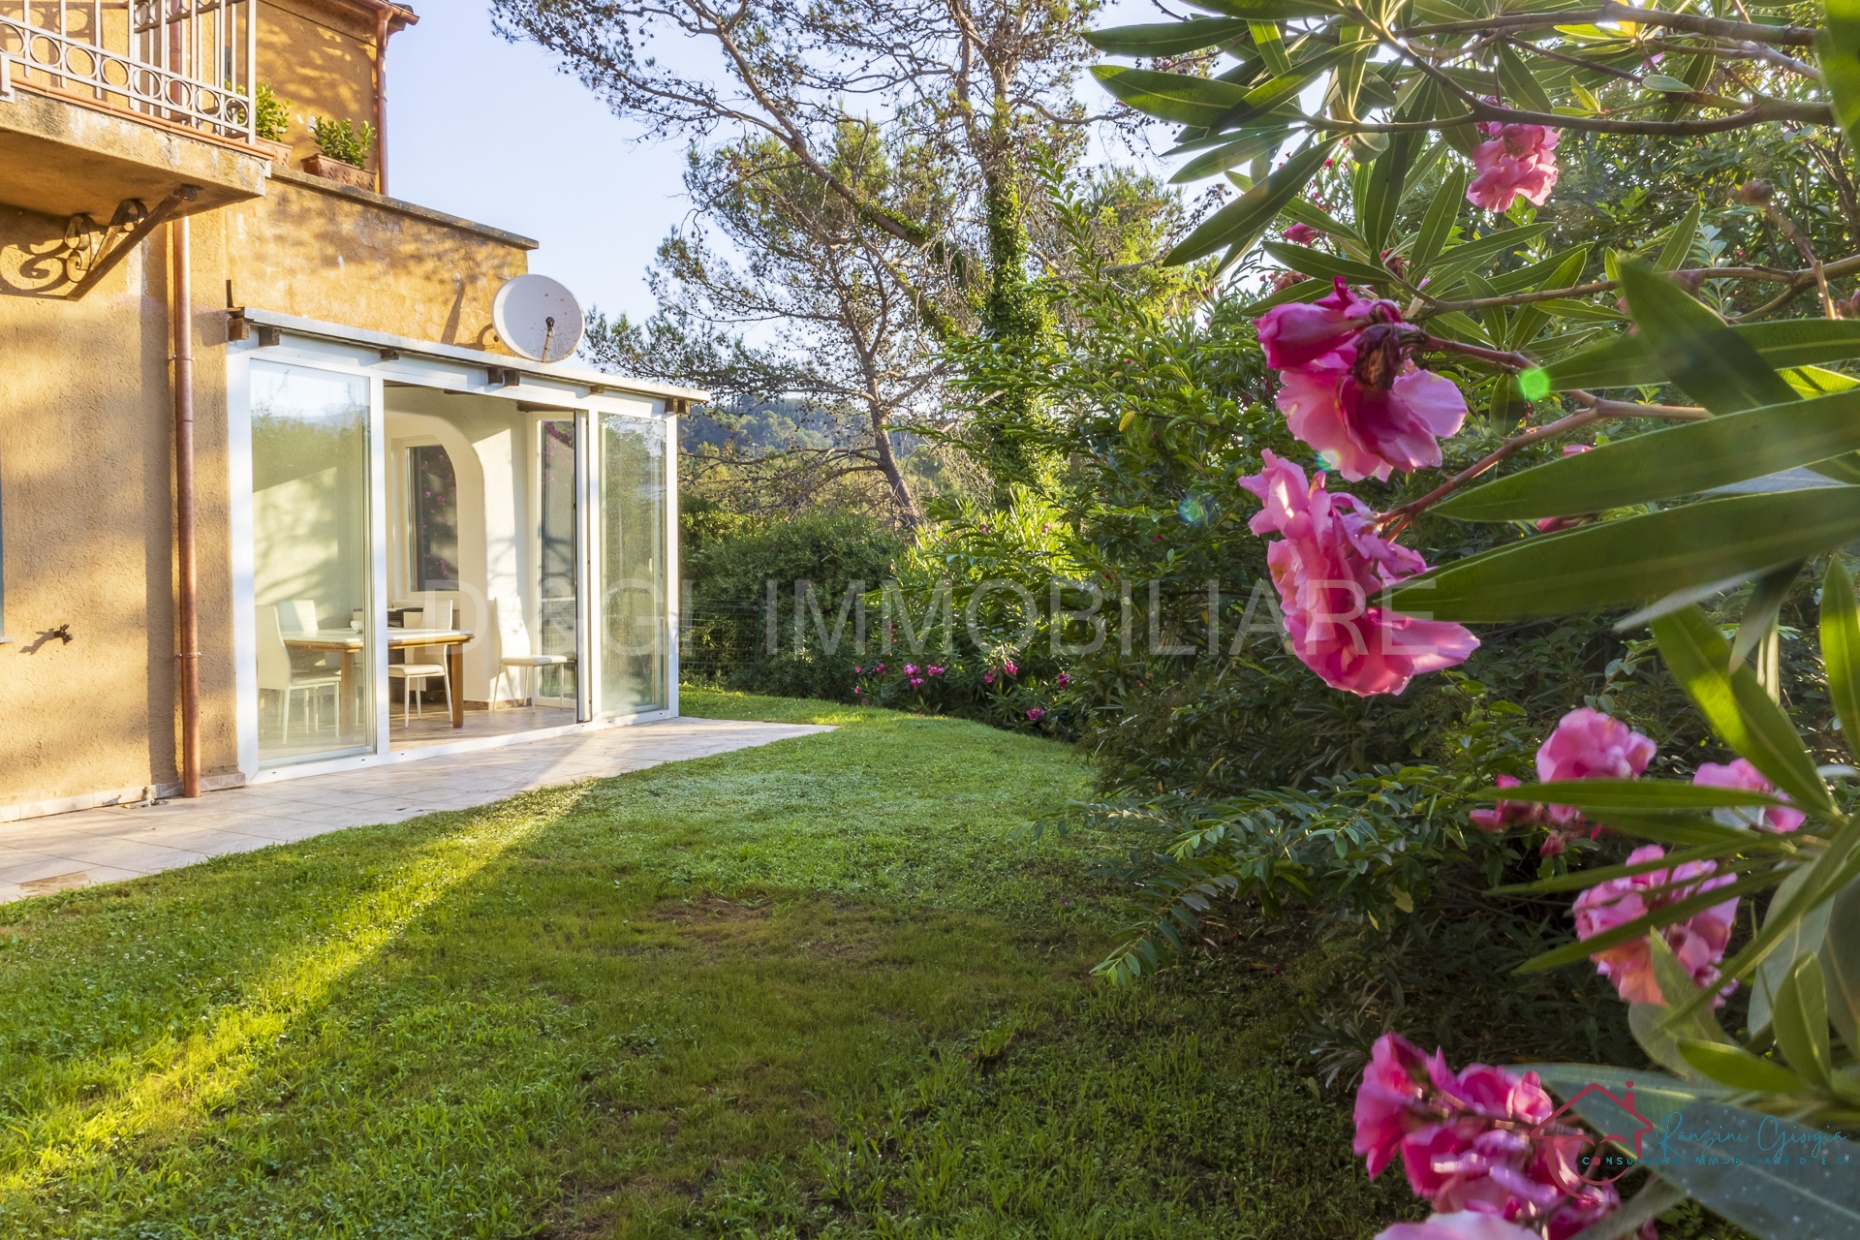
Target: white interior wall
(486, 440)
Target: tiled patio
(43, 855)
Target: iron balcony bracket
(89, 257)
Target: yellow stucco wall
(320, 56)
(312, 249)
(85, 459)
(85, 481)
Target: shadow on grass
(813, 988)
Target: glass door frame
(538, 423)
(591, 527)
(241, 512)
(332, 348)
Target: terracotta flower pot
(276, 152)
(321, 165)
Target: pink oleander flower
(1590, 745)
(1009, 669)
(988, 678)
(880, 669)
(1392, 1101)
(1460, 1225)
(910, 669)
(1738, 773)
(1698, 941)
(1036, 714)
(1303, 333)
(1348, 389)
(916, 681)
(1478, 1142)
(1506, 813)
(1517, 159)
(1363, 431)
(1301, 234)
(858, 671)
(1063, 680)
(1328, 566)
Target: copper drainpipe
(381, 39)
(187, 618)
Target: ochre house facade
(258, 432)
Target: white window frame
(387, 359)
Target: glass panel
(434, 489)
(556, 575)
(632, 564)
(311, 549)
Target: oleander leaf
(1766, 601)
(1737, 708)
(1178, 97)
(1629, 361)
(1738, 1068)
(1696, 349)
(1799, 1020)
(1168, 38)
(1838, 49)
(1810, 1196)
(1605, 794)
(1678, 245)
(1840, 964)
(1686, 459)
(1318, 263)
(1634, 560)
(1257, 143)
(1238, 224)
(1840, 649)
(1798, 935)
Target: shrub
(729, 563)
(272, 115)
(344, 140)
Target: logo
(1591, 1159)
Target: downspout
(381, 39)
(187, 617)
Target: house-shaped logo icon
(1591, 1165)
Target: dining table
(348, 643)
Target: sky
(489, 130)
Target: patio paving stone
(39, 856)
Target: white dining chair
(514, 652)
(423, 662)
(276, 673)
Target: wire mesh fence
(716, 638)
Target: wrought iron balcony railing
(186, 62)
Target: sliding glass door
(629, 554)
(312, 562)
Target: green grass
(820, 988)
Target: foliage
(1651, 521)
(834, 329)
(975, 94)
(273, 115)
(344, 140)
(734, 565)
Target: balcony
(123, 110)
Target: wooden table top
(397, 639)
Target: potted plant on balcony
(342, 150)
(272, 120)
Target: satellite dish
(537, 318)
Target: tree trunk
(894, 477)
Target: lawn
(822, 988)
